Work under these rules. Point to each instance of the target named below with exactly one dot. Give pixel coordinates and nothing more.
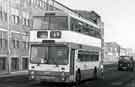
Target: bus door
(72, 58)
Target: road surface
(112, 78)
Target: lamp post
(9, 34)
(102, 41)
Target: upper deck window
(50, 22)
(81, 27)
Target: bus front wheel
(78, 77)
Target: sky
(118, 17)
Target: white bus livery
(64, 48)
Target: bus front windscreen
(57, 55)
(50, 22)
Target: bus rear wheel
(95, 73)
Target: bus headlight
(31, 75)
(63, 75)
(128, 65)
(102, 66)
(63, 78)
(71, 78)
(31, 72)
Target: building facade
(123, 51)
(130, 52)
(111, 52)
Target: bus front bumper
(57, 77)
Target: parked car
(126, 63)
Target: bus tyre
(95, 73)
(78, 77)
(102, 74)
(132, 69)
(119, 69)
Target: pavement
(18, 73)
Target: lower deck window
(15, 64)
(25, 63)
(2, 63)
(88, 56)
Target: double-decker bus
(64, 48)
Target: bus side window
(84, 56)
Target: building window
(17, 43)
(109, 49)
(15, 19)
(14, 64)
(4, 43)
(28, 22)
(13, 44)
(32, 1)
(24, 21)
(5, 16)
(40, 3)
(3, 40)
(28, 2)
(106, 53)
(1, 13)
(45, 6)
(27, 45)
(2, 63)
(25, 63)
(0, 39)
(0, 43)
(24, 44)
(37, 3)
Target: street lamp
(9, 62)
(102, 40)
